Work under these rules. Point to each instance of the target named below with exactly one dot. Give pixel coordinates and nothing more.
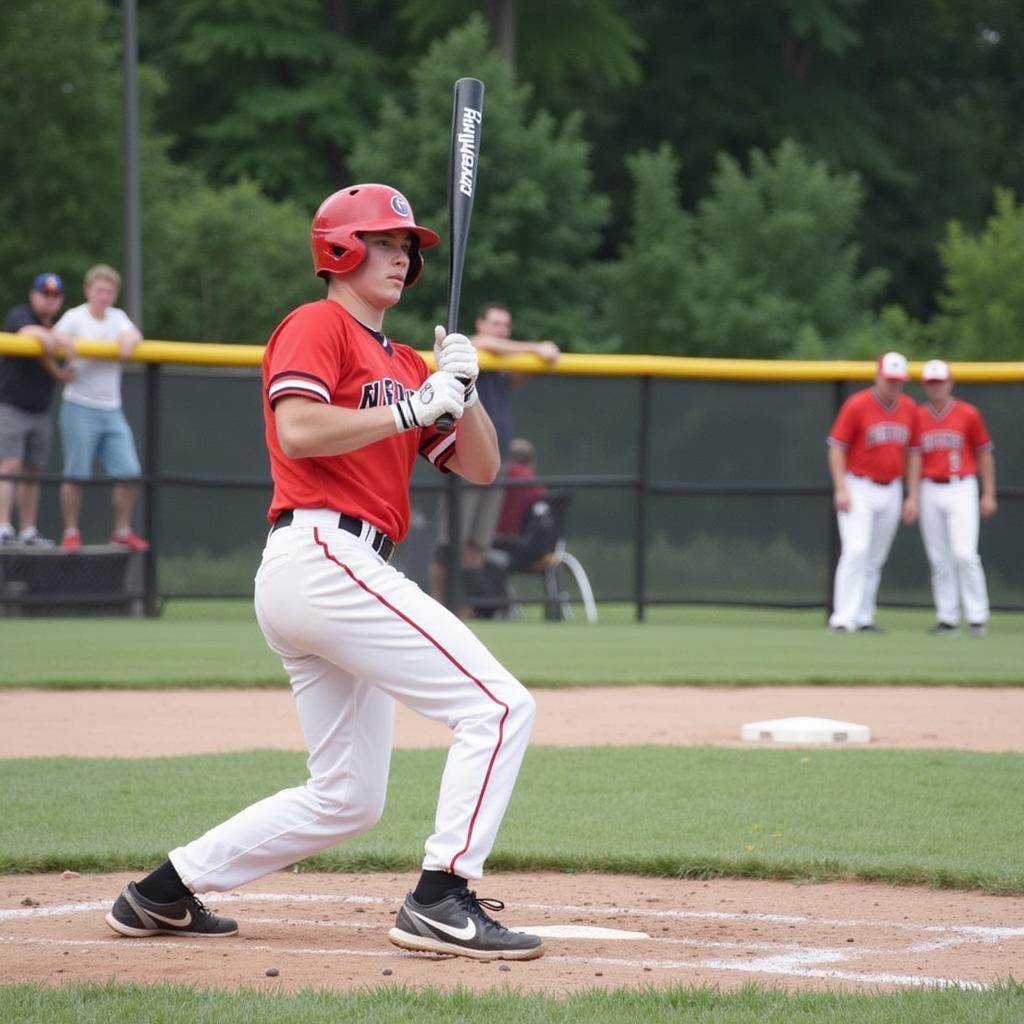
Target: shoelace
(474, 904)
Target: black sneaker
(458, 925)
(132, 914)
(871, 628)
(978, 629)
(944, 629)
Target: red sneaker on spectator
(130, 540)
(71, 541)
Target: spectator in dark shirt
(26, 388)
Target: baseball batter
(867, 459)
(347, 412)
(956, 451)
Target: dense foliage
(762, 178)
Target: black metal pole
(642, 484)
(132, 273)
(833, 526)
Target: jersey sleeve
(914, 444)
(438, 448)
(844, 428)
(977, 433)
(304, 359)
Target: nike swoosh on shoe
(465, 934)
(177, 922)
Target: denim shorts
(103, 434)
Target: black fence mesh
(736, 500)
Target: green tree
(231, 263)
(765, 266)
(60, 162)
(536, 220)
(533, 35)
(277, 92)
(982, 304)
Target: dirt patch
(153, 723)
(330, 931)
(603, 932)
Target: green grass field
(940, 818)
(96, 1004)
(219, 644)
(936, 817)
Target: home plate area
(330, 931)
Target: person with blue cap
(26, 389)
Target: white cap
(893, 366)
(936, 369)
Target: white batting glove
(440, 393)
(455, 353)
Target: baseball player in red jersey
(347, 412)
(956, 451)
(867, 459)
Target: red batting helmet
(343, 216)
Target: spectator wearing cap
(26, 389)
(92, 422)
(868, 448)
(956, 451)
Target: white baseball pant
(866, 532)
(949, 528)
(355, 636)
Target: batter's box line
(776, 966)
(984, 933)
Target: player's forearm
(306, 429)
(913, 474)
(837, 466)
(987, 474)
(476, 458)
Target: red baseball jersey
(321, 352)
(876, 436)
(951, 439)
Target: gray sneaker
(34, 539)
(8, 535)
(944, 629)
(978, 629)
(459, 925)
(132, 914)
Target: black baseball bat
(463, 164)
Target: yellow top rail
(574, 364)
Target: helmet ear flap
(412, 275)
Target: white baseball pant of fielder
(950, 518)
(866, 530)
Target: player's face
(380, 278)
(938, 391)
(497, 322)
(888, 389)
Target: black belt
(380, 542)
(948, 479)
(875, 480)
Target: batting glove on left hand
(456, 354)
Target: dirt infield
(330, 931)
(600, 931)
(49, 723)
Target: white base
(805, 730)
